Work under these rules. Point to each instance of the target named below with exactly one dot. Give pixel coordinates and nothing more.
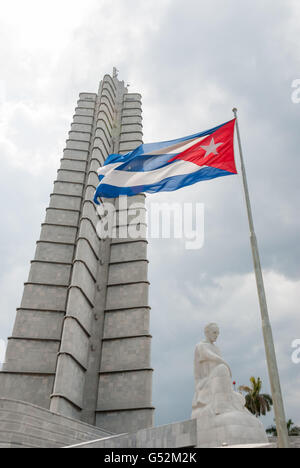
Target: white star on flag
(211, 148)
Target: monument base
(182, 435)
(23, 425)
(231, 428)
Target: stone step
(25, 425)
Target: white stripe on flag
(132, 179)
(104, 170)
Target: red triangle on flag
(216, 150)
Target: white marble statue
(220, 411)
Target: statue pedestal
(220, 412)
(232, 428)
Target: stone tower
(80, 344)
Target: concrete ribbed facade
(80, 344)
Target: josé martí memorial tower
(80, 346)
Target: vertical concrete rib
(73, 394)
(125, 377)
(72, 362)
(102, 146)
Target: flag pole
(282, 432)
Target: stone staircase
(23, 425)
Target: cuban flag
(169, 165)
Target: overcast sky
(192, 61)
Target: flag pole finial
(234, 110)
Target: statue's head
(212, 332)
